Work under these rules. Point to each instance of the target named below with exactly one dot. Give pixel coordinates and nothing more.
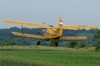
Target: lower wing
(49, 37)
(33, 36)
(73, 38)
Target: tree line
(6, 38)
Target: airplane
(52, 32)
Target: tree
(13, 43)
(81, 45)
(96, 40)
(73, 44)
(1, 44)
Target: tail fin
(60, 24)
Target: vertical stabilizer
(60, 24)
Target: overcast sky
(81, 12)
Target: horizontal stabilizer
(33, 36)
(73, 38)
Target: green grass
(49, 56)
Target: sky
(78, 12)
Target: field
(48, 56)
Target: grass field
(48, 56)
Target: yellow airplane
(52, 32)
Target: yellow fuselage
(51, 32)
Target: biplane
(52, 32)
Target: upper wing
(27, 23)
(76, 27)
(73, 38)
(80, 26)
(66, 27)
(33, 36)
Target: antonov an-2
(52, 32)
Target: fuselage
(54, 31)
(51, 32)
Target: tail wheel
(38, 43)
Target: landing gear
(55, 42)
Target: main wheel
(56, 44)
